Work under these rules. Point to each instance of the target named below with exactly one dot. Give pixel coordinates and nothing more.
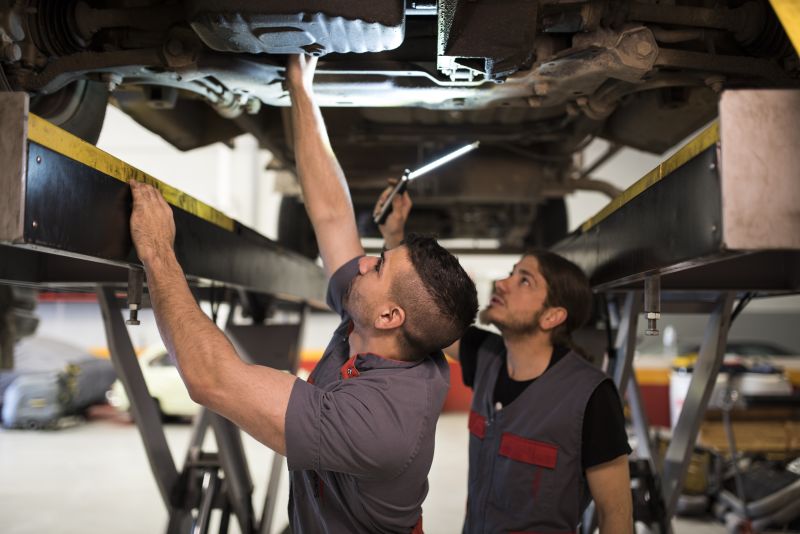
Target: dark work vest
(525, 471)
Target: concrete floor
(95, 478)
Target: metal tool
(409, 175)
(135, 283)
(652, 303)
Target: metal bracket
(704, 377)
(144, 410)
(135, 283)
(208, 481)
(625, 344)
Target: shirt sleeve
(364, 427)
(604, 435)
(472, 340)
(340, 283)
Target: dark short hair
(568, 288)
(439, 310)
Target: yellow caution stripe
(788, 12)
(702, 141)
(50, 136)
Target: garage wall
(621, 171)
(233, 180)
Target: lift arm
(65, 210)
(721, 214)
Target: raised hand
(393, 230)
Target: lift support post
(64, 223)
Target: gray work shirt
(360, 435)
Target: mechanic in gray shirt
(359, 435)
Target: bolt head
(174, 47)
(644, 48)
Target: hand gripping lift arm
(64, 224)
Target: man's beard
(354, 303)
(511, 326)
(347, 294)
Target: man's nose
(366, 264)
(499, 286)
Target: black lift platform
(722, 213)
(64, 217)
(64, 212)
(716, 224)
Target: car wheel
(294, 228)
(18, 319)
(79, 108)
(550, 224)
(31, 424)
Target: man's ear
(391, 316)
(552, 318)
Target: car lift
(64, 215)
(716, 223)
(710, 226)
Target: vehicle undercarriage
(400, 82)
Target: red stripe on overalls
(477, 424)
(418, 527)
(528, 451)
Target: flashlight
(408, 176)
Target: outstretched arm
(325, 191)
(252, 396)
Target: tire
(294, 228)
(79, 108)
(18, 319)
(550, 225)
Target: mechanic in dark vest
(359, 434)
(546, 426)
